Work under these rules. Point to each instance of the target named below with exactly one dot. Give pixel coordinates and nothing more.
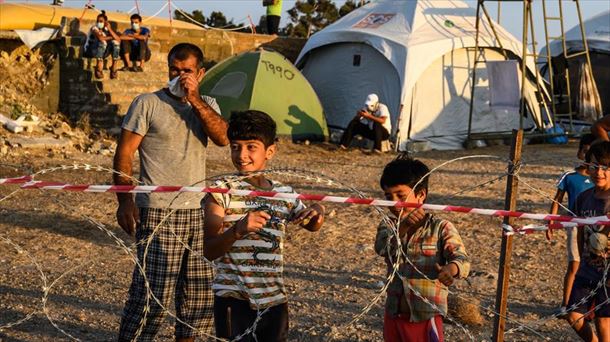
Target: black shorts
(272, 327)
(581, 289)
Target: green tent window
(231, 85)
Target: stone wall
(106, 100)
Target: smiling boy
(593, 247)
(244, 235)
(434, 248)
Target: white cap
(371, 100)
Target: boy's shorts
(581, 289)
(572, 244)
(398, 329)
(232, 317)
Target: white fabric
(504, 90)
(371, 100)
(175, 87)
(441, 103)
(381, 112)
(597, 31)
(589, 102)
(33, 38)
(411, 36)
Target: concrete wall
(105, 101)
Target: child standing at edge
(594, 251)
(245, 236)
(572, 183)
(433, 245)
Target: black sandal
(99, 74)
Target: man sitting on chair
(372, 122)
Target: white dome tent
(418, 56)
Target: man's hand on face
(190, 84)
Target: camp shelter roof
(267, 81)
(597, 31)
(413, 34)
(26, 16)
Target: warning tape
(28, 183)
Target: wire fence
(517, 325)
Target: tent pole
(584, 42)
(493, 29)
(474, 70)
(526, 10)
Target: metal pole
(474, 69)
(510, 202)
(549, 63)
(493, 29)
(526, 8)
(584, 41)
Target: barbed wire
(309, 176)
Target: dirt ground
(331, 275)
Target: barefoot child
(572, 183)
(433, 245)
(244, 235)
(588, 291)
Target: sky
(238, 10)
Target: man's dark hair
(135, 16)
(586, 139)
(252, 125)
(183, 51)
(405, 171)
(601, 152)
(102, 15)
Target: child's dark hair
(136, 16)
(405, 170)
(252, 125)
(102, 15)
(601, 152)
(586, 139)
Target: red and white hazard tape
(559, 219)
(16, 180)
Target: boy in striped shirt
(244, 235)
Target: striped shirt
(252, 268)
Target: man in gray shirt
(170, 129)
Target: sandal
(99, 74)
(113, 74)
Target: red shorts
(399, 329)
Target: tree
(309, 16)
(197, 15)
(351, 5)
(216, 19)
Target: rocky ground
(48, 242)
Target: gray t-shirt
(173, 149)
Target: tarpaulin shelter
(418, 56)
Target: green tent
(267, 81)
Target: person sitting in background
(601, 127)
(134, 45)
(97, 45)
(372, 122)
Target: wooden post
(510, 202)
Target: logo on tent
(374, 20)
